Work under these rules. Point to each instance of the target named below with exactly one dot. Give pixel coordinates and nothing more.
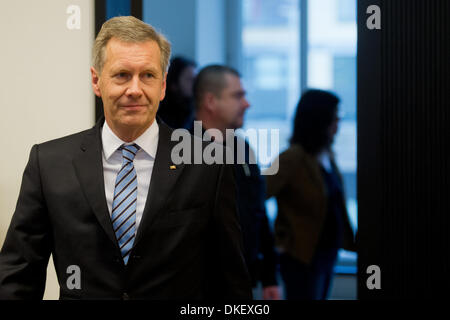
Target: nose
(334, 128)
(134, 89)
(245, 104)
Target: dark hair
(176, 67)
(176, 109)
(316, 111)
(211, 79)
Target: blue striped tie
(124, 203)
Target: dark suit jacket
(259, 245)
(302, 204)
(258, 240)
(188, 244)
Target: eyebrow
(151, 70)
(125, 68)
(240, 92)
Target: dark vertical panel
(410, 223)
(100, 14)
(136, 8)
(105, 9)
(100, 18)
(369, 70)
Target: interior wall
(210, 32)
(45, 87)
(176, 20)
(196, 28)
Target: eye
(121, 76)
(148, 75)
(239, 95)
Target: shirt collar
(148, 141)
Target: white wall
(45, 90)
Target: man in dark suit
(220, 106)
(110, 206)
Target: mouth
(132, 107)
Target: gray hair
(128, 29)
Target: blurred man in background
(221, 105)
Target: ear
(95, 82)
(163, 88)
(210, 101)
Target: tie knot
(129, 152)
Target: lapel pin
(172, 167)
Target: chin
(135, 121)
(238, 125)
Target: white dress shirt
(143, 164)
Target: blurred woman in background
(312, 221)
(177, 108)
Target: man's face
(333, 128)
(131, 84)
(231, 103)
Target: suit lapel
(162, 181)
(89, 169)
